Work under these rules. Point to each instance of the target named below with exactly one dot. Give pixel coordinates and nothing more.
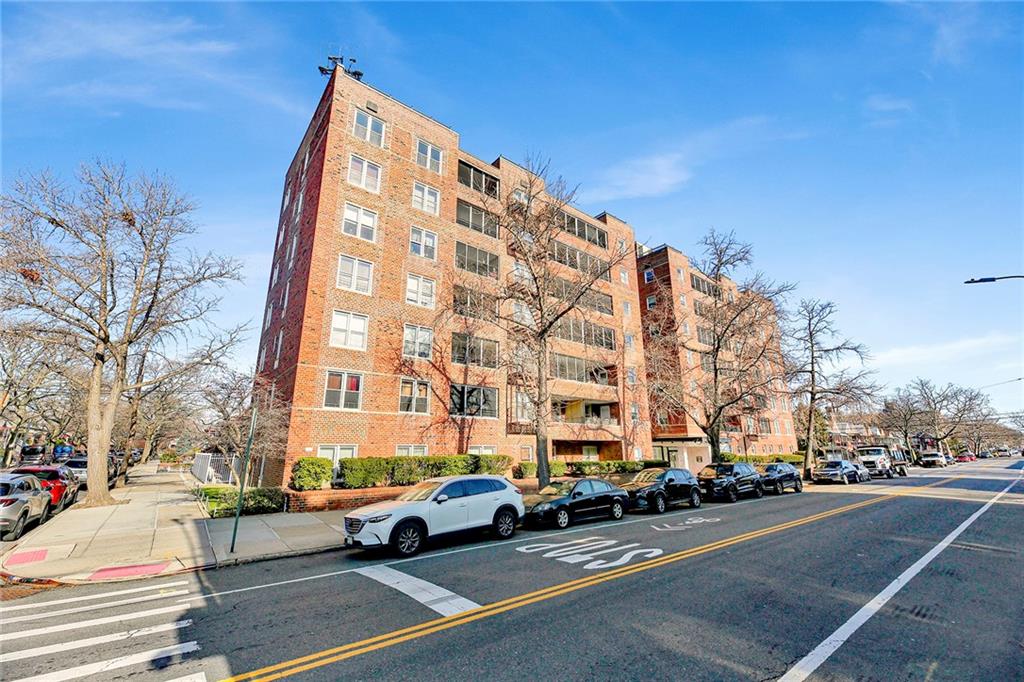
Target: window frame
(356, 262)
(426, 189)
(361, 212)
(411, 447)
(419, 291)
(362, 181)
(369, 127)
(345, 374)
(465, 401)
(413, 397)
(417, 330)
(430, 146)
(424, 232)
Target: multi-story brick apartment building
(665, 272)
(381, 224)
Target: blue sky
(870, 152)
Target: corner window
(419, 291)
(474, 178)
(417, 342)
(368, 128)
(348, 330)
(363, 173)
(354, 274)
(359, 222)
(428, 156)
(414, 397)
(423, 243)
(344, 390)
(426, 198)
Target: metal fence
(211, 468)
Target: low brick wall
(343, 498)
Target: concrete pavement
(159, 528)
(725, 592)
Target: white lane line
(114, 663)
(78, 625)
(102, 639)
(809, 663)
(645, 518)
(435, 597)
(88, 597)
(196, 677)
(93, 607)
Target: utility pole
(242, 477)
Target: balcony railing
(588, 421)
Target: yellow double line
(340, 653)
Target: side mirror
(575, 495)
(670, 480)
(441, 498)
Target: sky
(871, 153)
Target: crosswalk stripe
(22, 634)
(93, 607)
(102, 639)
(114, 663)
(88, 597)
(197, 677)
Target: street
(724, 592)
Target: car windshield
(419, 492)
(766, 468)
(871, 452)
(648, 475)
(75, 464)
(716, 470)
(41, 475)
(833, 465)
(558, 488)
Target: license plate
(349, 541)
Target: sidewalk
(159, 528)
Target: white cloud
(955, 351)
(882, 103)
(664, 172)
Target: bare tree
(730, 367)
(946, 408)
(902, 414)
(102, 270)
(979, 428)
(816, 373)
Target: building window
(578, 369)
(471, 303)
(477, 261)
(348, 330)
(651, 301)
(706, 336)
(473, 350)
(627, 309)
(631, 376)
(476, 218)
(648, 275)
(525, 411)
(363, 173)
(623, 276)
(689, 358)
(592, 300)
(417, 342)
(590, 453)
(525, 453)
(354, 274)
(414, 397)
(629, 341)
(284, 296)
(262, 358)
(292, 249)
(359, 222)
(410, 450)
(473, 401)
(579, 260)
(344, 390)
(368, 128)
(428, 156)
(634, 413)
(335, 453)
(482, 450)
(682, 300)
(419, 291)
(686, 327)
(585, 332)
(584, 230)
(474, 178)
(423, 243)
(426, 198)
(277, 350)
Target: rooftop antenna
(337, 61)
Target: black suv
(729, 481)
(778, 476)
(655, 489)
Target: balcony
(587, 421)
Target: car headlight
(543, 506)
(378, 519)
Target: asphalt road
(781, 588)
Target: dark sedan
(562, 502)
(778, 476)
(729, 481)
(656, 489)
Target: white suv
(434, 507)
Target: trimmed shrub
(556, 468)
(256, 501)
(653, 463)
(490, 464)
(169, 458)
(364, 472)
(726, 456)
(310, 473)
(447, 465)
(526, 470)
(604, 468)
(408, 470)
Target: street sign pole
(241, 479)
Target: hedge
(795, 458)
(368, 472)
(222, 501)
(310, 473)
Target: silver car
(79, 467)
(22, 500)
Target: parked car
(564, 502)
(836, 471)
(22, 500)
(950, 460)
(985, 455)
(863, 475)
(965, 458)
(436, 506)
(778, 476)
(55, 479)
(78, 466)
(62, 453)
(657, 488)
(34, 454)
(135, 456)
(729, 481)
(932, 459)
(878, 460)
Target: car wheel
(18, 529)
(505, 524)
(694, 498)
(732, 494)
(45, 515)
(758, 490)
(562, 518)
(799, 487)
(846, 479)
(779, 489)
(617, 510)
(408, 538)
(659, 505)
(888, 474)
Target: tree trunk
(147, 450)
(539, 418)
(99, 426)
(714, 443)
(809, 451)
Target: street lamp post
(986, 280)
